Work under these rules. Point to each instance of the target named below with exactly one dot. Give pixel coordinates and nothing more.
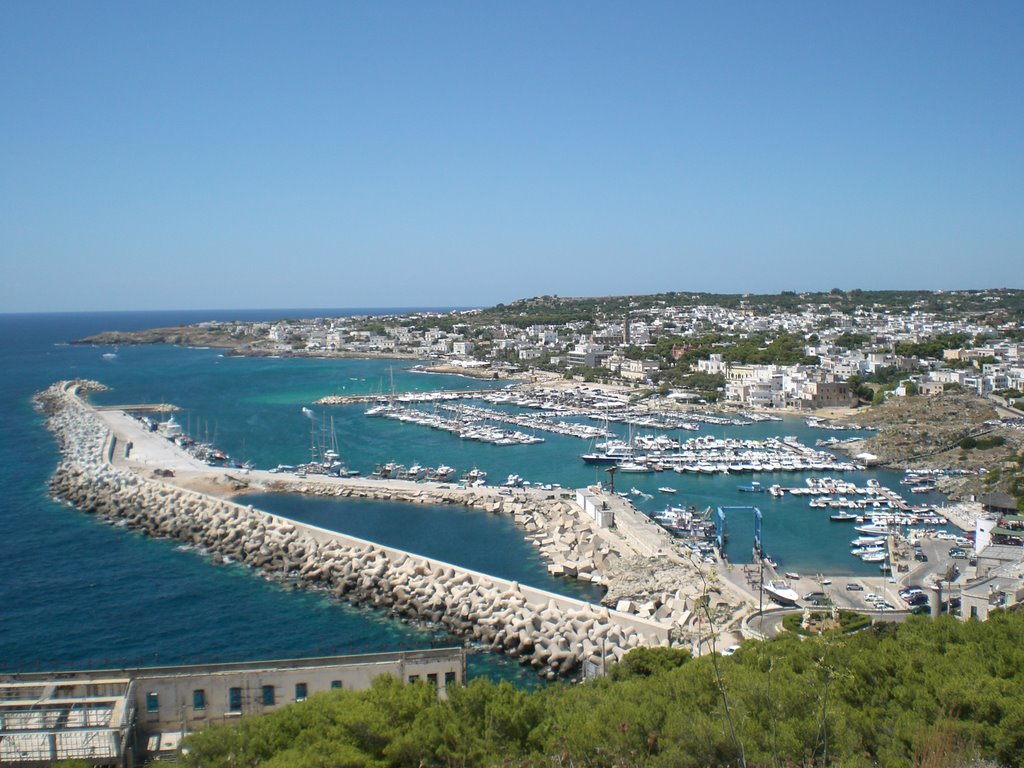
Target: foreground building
(123, 717)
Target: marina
(269, 430)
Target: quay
(143, 408)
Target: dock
(401, 397)
(140, 408)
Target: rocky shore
(949, 431)
(554, 635)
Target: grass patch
(821, 621)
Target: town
(805, 351)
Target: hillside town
(814, 353)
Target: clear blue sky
(252, 154)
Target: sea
(76, 593)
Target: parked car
(957, 553)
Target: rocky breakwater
(565, 537)
(668, 590)
(552, 634)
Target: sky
(351, 154)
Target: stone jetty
(567, 539)
(553, 634)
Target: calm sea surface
(77, 593)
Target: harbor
(284, 437)
(574, 546)
(689, 532)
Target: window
(301, 691)
(432, 678)
(414, 678)
(199, 699)
(335, 683)
(152, 702)
(268, 695)
(449, 679)
(234, 700)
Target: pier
(401, 397)
(142, 408)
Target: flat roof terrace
(44, 722)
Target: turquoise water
(78, 593)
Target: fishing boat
(754, 487)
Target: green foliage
(851, 340)
(933, 347)
(849, 621)
(644, 662)
(982, 443)
(859, 388)
(919, 693)
(886, 375)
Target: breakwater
(553, 634)
(567, 539)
